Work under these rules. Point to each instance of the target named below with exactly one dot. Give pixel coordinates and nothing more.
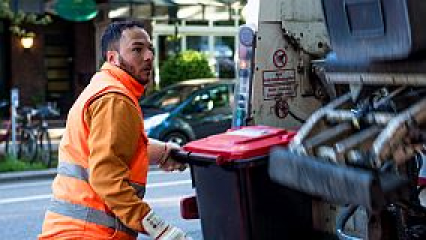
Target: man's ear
(112, 57)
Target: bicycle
(7, 126)
(44, 142)
(27, 144)
(27, 148)
(37, 133)
(34, 142)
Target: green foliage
(19, 18)
(11, 164)
(184, 66)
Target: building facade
(54, 68)
(65, 54)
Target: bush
(184, 66)
(11, 164)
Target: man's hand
(158, 229)
(168, 163)
(159, 153)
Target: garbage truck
(328, 137)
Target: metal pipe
(314, 120)
(396, 129)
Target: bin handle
(194, 158)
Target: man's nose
(149, 55)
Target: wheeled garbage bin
(235, 197)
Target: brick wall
(27, 68)
(28, 71)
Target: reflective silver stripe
(79, 172)
(73, 170)
(89, 214)
(140, 189)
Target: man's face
(136, 54)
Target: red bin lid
(243, 143)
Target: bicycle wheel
(44, 148)
(27, 150)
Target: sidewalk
(57, 128)
(56, 131)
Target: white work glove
(158, 229)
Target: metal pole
(183, 43)
(211, 45)
(14, 99)
(155, 41)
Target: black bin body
(235, 196)
(376, 29)
(239, 202)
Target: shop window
(58, 59)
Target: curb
(40, 174)
(27, 175)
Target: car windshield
(170, 98)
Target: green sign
(76, 10)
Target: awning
(75, 10)
(177, 2)
(164, 3)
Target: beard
(129, 69)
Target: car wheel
(176, 137)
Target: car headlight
(154, 121)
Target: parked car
(189, 110)
(220, 51)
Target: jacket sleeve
(114, 125)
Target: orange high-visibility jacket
(76, 211)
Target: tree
(19, 18)
(184, 66)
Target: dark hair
(113, 33)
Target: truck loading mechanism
(350, 76)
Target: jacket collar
(128, 81)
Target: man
(104, 154)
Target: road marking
(23, 185)
(174, 199)
(161, 172)
(168, 184)
(167, 201)
(153, 200)
(48, 183)
(25, 199)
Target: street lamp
(27, 42)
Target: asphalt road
(23, 203)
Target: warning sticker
(280, 58)
(280, 83)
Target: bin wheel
(176, 137)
